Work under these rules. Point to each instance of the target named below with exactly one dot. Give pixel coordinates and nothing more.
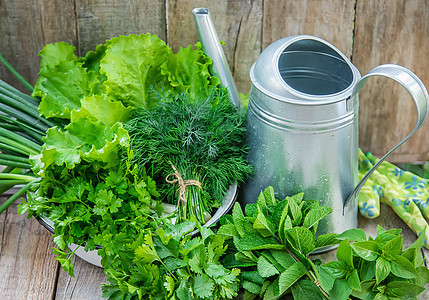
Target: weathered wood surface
(85, 285)
(327, 19)
(30, 271)
(371, 32)
(26, 27)
(391, 32)
(100, 20)
(27, 265)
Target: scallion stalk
(16, 74)
(18, 194)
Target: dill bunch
(193, 148)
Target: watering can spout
(212, 48)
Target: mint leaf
(402, 267)
(254, 241)
(269, 197)
(251, 210)
(297, 198)
(382, 269)
(367, 250)
(272, 290)
(263, 225)
(242, 225)
(315, 215)
(228, 231)
(290, 276)
(265, 268)
(295, 212)
(267, 254)
(283, 258)
(326, 279)
(325, 240)
(252, 287)
(301, 239)
(354, 235)
(345, 253)
(305, 289)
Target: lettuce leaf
(83, 139)
(188, 70)
(132, 65)
(101, 108)
(62, 81)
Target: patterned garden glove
(406, 193)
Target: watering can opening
(312, 67)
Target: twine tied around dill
(181, 183)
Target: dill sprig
(202, 138)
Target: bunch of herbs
(170, 263)
(271, 241)
(376, 268)
(70, 134)
(198, 143)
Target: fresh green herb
(377, 268)
(21, 132)
(271, 242)
(171, 264)
(94, 206)
(76, 178)
(196, 143)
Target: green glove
(406, 193)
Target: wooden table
(28, 269)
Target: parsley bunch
(171, 264)
(92, 206)
(201, 139)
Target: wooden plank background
(370, 32)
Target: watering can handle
(418, 93)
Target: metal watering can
(302, 124)
(302, 120)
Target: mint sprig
(271, 242)
(272, 239)
(377, 268)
